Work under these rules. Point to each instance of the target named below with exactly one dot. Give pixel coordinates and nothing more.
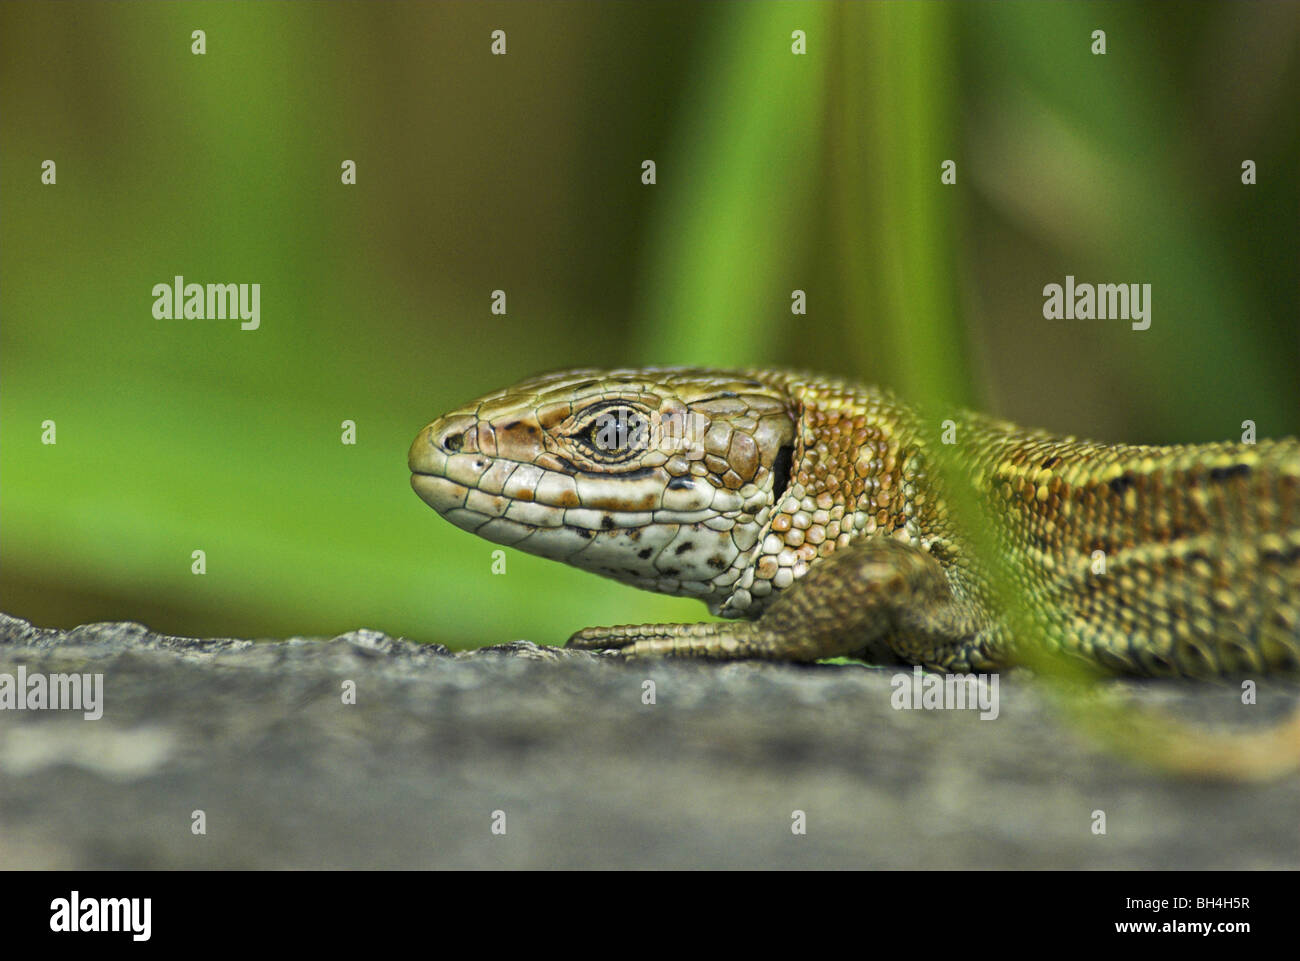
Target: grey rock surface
(257, 736)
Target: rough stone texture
(256, 735)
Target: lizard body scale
(809, 510)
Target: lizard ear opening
(781, 471)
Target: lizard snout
(452, 434)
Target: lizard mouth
(465, 494)
(639, 528)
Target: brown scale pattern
(1201, 543)
(1201, 561)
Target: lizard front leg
(877, 598)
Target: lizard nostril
(453, 442)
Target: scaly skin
(811, 510)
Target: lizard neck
(855, 472)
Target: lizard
(811, 513)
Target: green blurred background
(523, 172)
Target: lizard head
(663, 478)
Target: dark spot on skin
(683, 548)
(681, 484)
(670, 572)
(635, 474)
(584, 385)
(781, 471)
(607, 523)
(645, 553)
(717, 563)
(583, 532)
(513, 425)
(1050, 463)
(1121, 484)
(1226, 473)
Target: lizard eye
(615, 433)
